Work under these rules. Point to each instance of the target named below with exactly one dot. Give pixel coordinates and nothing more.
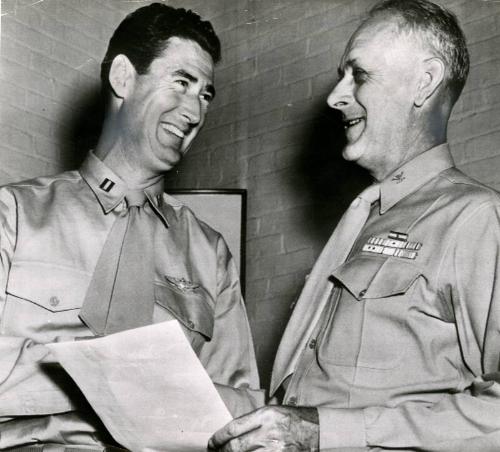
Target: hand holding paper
(148, 387)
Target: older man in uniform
(103, 249)
(395, 341)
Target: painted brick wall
(270, 132)
(269, 129)
(50, 54)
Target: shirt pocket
(377, 298)
(191, 307)
(44, 300)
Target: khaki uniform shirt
(401, 355)
(52, 232)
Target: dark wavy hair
(438, 29)
(143, 34)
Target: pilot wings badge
(181, 284)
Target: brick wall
(50, 54)
(269, 129)
(270, 132)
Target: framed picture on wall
(225, 211)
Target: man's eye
(207, 97)
(359, 75)
(183, 83)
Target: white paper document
(148, 387)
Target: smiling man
(394, 343)
(103, 249)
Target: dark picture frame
(225, 210)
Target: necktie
(350, 225)
(318, 287)
(120, 295)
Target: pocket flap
(367, 277)
(53, 287)
(190, 307)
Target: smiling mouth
(348, 123)
(173, 129)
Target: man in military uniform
(394, 343)
(103, 249)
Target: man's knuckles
(273, 414)
(233, 429)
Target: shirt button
(362, 293)
(190, 324)
(312, 344)
(292, 401)
(54, 301)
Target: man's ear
(432, 76)
(121, 76)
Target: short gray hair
(439, 30)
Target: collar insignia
(107, 185)
(396, 245)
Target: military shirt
(405, 353)
(52, 232)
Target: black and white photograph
(249, 225)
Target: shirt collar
(110, 189)
(413, 175)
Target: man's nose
(191, 109)
(342, 95)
